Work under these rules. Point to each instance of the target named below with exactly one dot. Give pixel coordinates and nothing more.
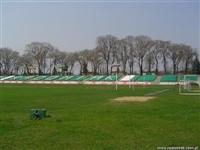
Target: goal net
(189, 87)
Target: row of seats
(131, 78)
(163, 78)
(175, 78)
(59, 78)
(144, 78)
(168, 78)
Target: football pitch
(85, 117)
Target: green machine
(37, 113)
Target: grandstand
(39, 78)
(64, 78)
(78, 78)
(111, 78)
(135, 78)
(146, 78)
(23, 78)
(168, 78)
(7, 78)
(50, 78)
(190, 77)
(98, 79)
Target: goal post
(188, 87)
(115, 68)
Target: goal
(189, 87)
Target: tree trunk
(141, 66)
(107, 69)
(131, 67)
(174, 68)
(124, 68)
(156, 66)
(81, 69)
(186, 67)
(149, 67)
(141, 69)
(54, 72)
(165, 65)
(39, 69)
(85, 70)
(94, 69)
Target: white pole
(116, 83)
(186, 83)
(143, 80)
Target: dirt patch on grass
(133, 99)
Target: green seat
(68, 78)
(50, 78)
(20, 78)
(144, 78)
(23, 78)
(42, 113)
(135, 78)
(8, 78)
(1, 77)
(97, 78)
(39, 78)
(78, 78)
(110, 78)
(63, 78)
(191, 77)
(168, 78)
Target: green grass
(85, 118)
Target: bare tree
(109, 50)
(83, 57)
(106, 47)
(70, 61)
(196, 64)
(56, 58)
(95, 60)
(188, 56)
(39, 52)
(156, 52)
(164, 51)
(150, 60)
(1, 61)
(27, 63)
(175, 55)
(122, 52)
(8, 60)
(130, 41)
(142, 44)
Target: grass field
(85, 118)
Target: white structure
(185, 87)
(6, 78)
(127, 78)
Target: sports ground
(87, 117)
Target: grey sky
(73, 26)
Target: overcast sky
(73, 26)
